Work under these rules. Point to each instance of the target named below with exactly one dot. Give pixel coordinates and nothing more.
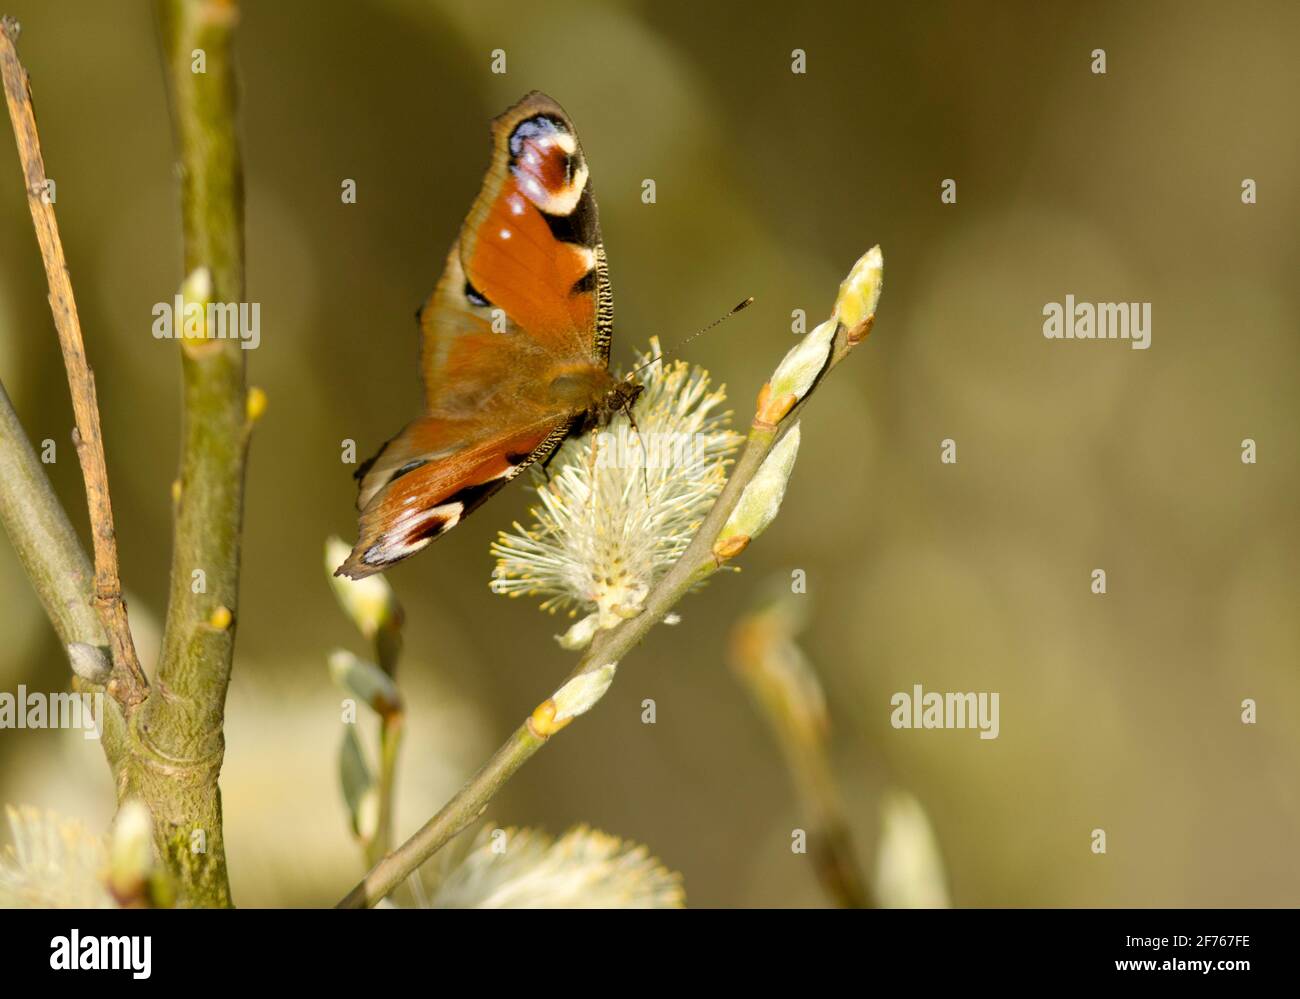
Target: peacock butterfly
(515, 344)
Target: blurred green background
(1118, 711)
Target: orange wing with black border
(524, 290)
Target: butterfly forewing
(522, 307)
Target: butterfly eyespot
(475, 297)
(540, 129)
(431, 528)
(547, 164)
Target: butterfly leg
(545, 464)
(593, 461)
(645, 480)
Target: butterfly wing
(524, 291)
(430, 477)
(527, 276)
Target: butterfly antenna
(698, 333)
(645, 455)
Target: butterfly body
(515, 344)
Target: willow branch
(199, 633)
(467, 805)
(388, 645)
(45, 542)
(62, 577)
(701, 559)
(128, 684)
(789, 697)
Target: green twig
(371, 605)
(183, 728)
(45, 542)
(788, 695)
(388, 645)
(199, 635)
(463, 809)
(48, 548)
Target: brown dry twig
(128, 683)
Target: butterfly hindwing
(430, 477)
(522, 306)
